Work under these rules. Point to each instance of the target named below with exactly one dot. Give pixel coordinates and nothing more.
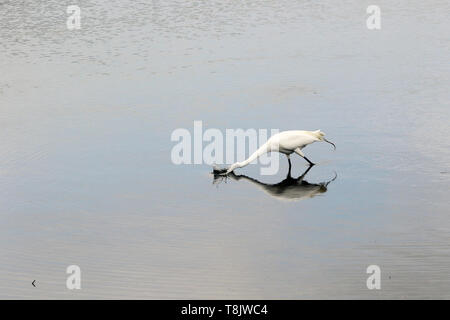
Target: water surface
(85, 171)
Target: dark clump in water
(219, 171)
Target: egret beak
(330, 143)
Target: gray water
(86, 176)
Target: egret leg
(290, 166)
(310, 163)
(304, 174)
(301, 154)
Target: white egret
(286, 142)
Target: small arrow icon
(33, 283)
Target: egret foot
(310, 163)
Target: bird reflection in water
(288, 189)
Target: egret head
(320, 136)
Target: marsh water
(86, 176)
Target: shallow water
(86, 176)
